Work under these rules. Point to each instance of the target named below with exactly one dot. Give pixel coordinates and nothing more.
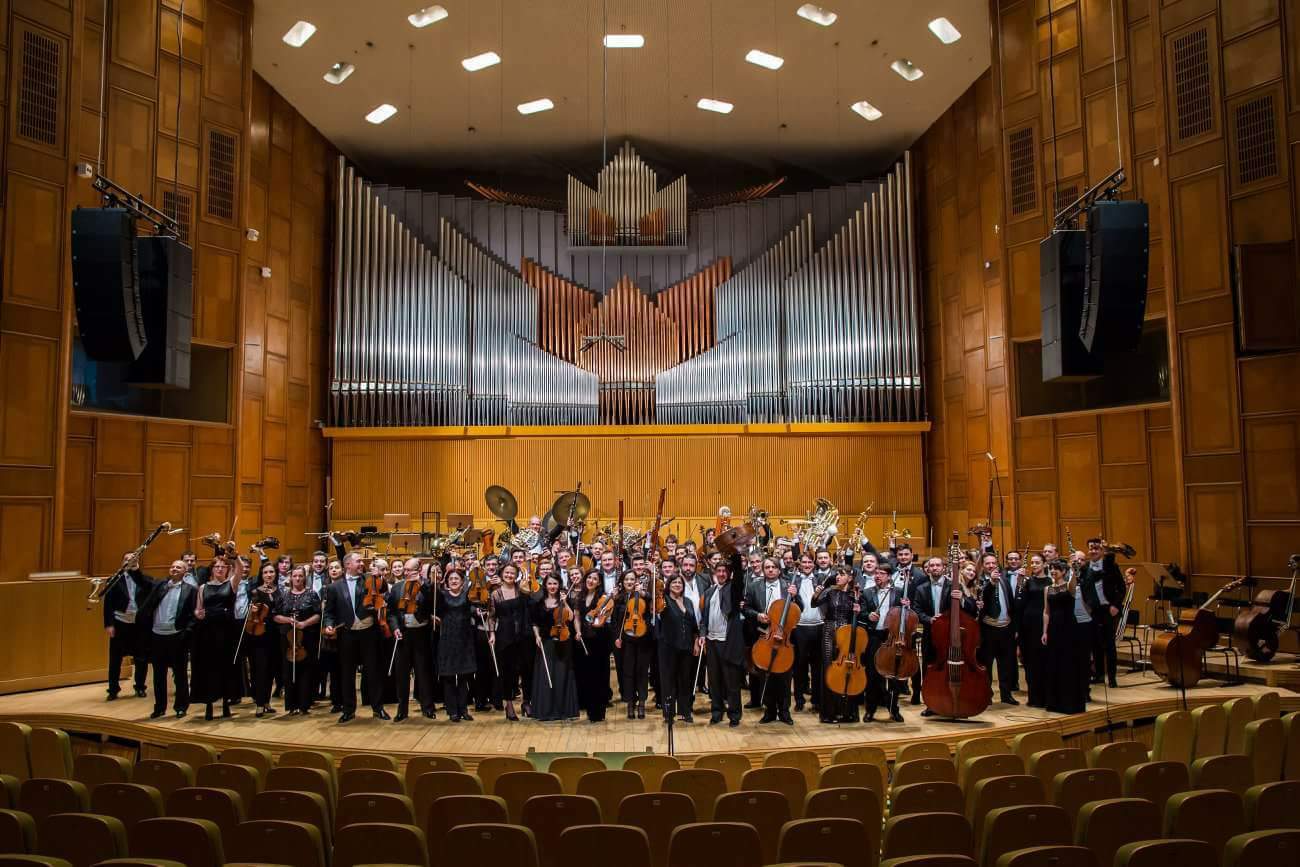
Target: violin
(563, 616)
(955, 684)
(598, 616)
(295, 652)
(255, 624)
(846, 675)
(478, 592)
(634, 617)
(409, 603)
(896, 658)
(376, 597)
(773, 652)
(528, 578)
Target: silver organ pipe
(703, 390)
(627, 208)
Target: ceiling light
(943, 28)
(907, 69)
(535, 106)
(339, 72)
(762, 58)
(481, 61)
(624, 40)
(426, 16)
(381, 114)
(816, 14)
(867, 110)
(299, 33)
(715, 105)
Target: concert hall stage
(81, 709)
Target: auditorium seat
(381, 843)
(1174, 737)
(92, 769)
(1007, 829)
(609, 788)
(1240, 711)
(277, 841)
(261, 760)
(992, 793)
(318, 759)
(297, 779)
(846, 803)
(1105, 826)
(418, 765)
(193, 842)
(481, 844)
(221, 807)
(492, 767)
(1231, 772)
(1212, 815)
(367, 761)
(1156, 781)
(831, 840)
(548, 815)
(927, 834)
(984, 767)
(930, 861)
(84, 838)
(659, 814)
(15, 758)
(1273, 805)
(1028, 743)
(1268, 705)
(973, 748)
(32, 861)
(790, 782)
(1118, 756)
(1262, 849)
(1072, 789)
(195, 755)
(132, 803)
(592, 845)
(451, 810)
(1291, 748)
(927, 798)
(708, 844)
(863, 775)
(516, 787)
(652, 767)
(804, 760)
(50, 751)
(1209, 730)
(1048, 763)
(374, 807)
(143, 862)
(862, 753)
(922, 750)
(1163, 853)
(369, 780)
(9, 788)
(309, 808)
(164, 775)
(766, 811)
(41, 798)
(733, 767)
(923, 771)
(701, 785)
(432, 785)
(238, 778)
(1048, 856)
(571, 768)
(17, 832)
(1265, 742)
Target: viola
(598, 616)
(479, 593)
(955, 684)
(295, 652)
(528, 578)
(562, 616)
(896, 658)
(773, 652)
(409, 603)
(634, 617)
(255, 624)
(376, 597)
(846, 674)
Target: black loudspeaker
(1062, 266)
(1115, 292)
(104, 284)
(166, 294)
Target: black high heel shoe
(207, 713)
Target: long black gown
(592, 667)
(214, 676)
(1032, 654)
(556, 697)
(1065, 690)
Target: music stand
(456, 522)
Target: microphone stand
(995, 479)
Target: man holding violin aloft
(350, 618)
(760, 596)
(722, 626)
(410, 610)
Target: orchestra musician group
(556, 628)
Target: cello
(955, 684)
(1258, 629)
(896, 658)
(773, 652)
(1176, 655)
(846, 675)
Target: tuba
(822, 526)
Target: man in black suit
(931, 599)
(722, 626)
(166, 618)
(1103, 589)
(122, 604)
(998, 626)
(413, 651)
(877, 600)
(759, 596)
(348, 619)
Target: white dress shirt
(358, 623)
(811, 615)
(164, 622)
(717, 623)
(127, 615)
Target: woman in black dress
(1031, 593)
(508, 629)
(837, 604)
(455, 625)
(555, 695)
(634, 649)
(298, 615)
(679, 648)
(1066, 691)
(592, 666)
(263, 650)
(214, 674)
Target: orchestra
(552, 621)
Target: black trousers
(170, 652)
(359, 649)
(724, 681)
(455, 693)
(881, 691)
(1104, 662)
(807, 642)
(127, 640)
(676, 676)
(263, 651)
(775, 690)
(998, 646)
(636, 654)
(485, 676)
(414, 654)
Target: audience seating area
(1219, 787)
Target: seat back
(930, 861)
(863, 775)
(374, 807)
(492, 767)
(1231, 772)
(1048, 763)
(1105, 826)
(609, 788)
(252, 757)
(380, 843)
(971, 748)
(658, 814)
(862, 754)
(923, 771)
(732, 765)
(1265, 745)
(516, 787)
(15, 757)
(309, 808)
(9, 788)
(830, 840)
(803, 760)
(194, 842)
(844, 803)
(548, 815)
(1268, 705)
(1028, 743)
(983, 767)
(591, 845)
(297, 779)
(927, 798)
(41, 798)
(487, 843)
(432, 785)
(1118, 756)
(1156, 781)
(1240, 711)
(194, 754)
(370, 781)
(927, 834)
(449, 811)
(715, 844)
(164, 775)
(1162, 853)
(922, 750)
(1271, 806)
(92, 769)
(368, 761)
(318, 759)
(1209, 730)
(791, 782)
(651, 767)
(1291, 750)
(992, 793)
(701, 785)
(1072, 789)
(221, 807)
(84, 839)
(570, 769)
(277, 841)
(1174, 737)
(1211, 815)
(1007, 829)
(131, 803)
(17, 832)
(766, 811)
(238, 778)
(1048, 856)
(50, 751)
(418, 765)
(1263, 848)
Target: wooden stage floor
(83, 709)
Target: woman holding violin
(297, 613)
(410, 608)
(633, 643)
(555, 694)
(679, 648)
(216, 678)
(454, 622)
(594, 609)
(259, 640)
(327, 654)
(508, 637)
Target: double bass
(1177, 655)
(1258, 629)
(845, 675)
(955, 684)
(896, 658)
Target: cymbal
(548, 525)
(577, 500)
(501, 502)
(733, 540)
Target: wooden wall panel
(35, 213)
(27, 416)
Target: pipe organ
(627, 208)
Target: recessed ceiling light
(717, 105)
(381, 114)
(762, 58)
(943, 28)
(426, 16)
(816, 14)
(481, 61)
(339, 72)
(624, 40)
(535, 106)
(299, 33)
(907, 69)
(867, 110)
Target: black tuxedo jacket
(184, 612)
(732, 595)
(993, 606)
(1112, 583)
(117, 599)
(756, 599)
(338, 610)
(923, 601)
